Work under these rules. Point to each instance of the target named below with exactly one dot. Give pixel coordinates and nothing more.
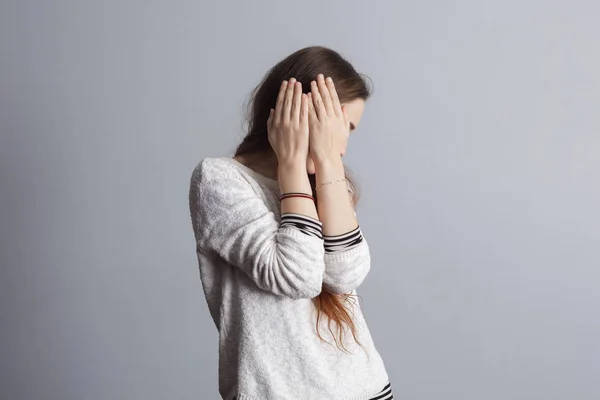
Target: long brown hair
(304, 65)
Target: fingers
(337, 107)
(317, 100)
(304, 110)
(312, 114)
(287, 102)
(325, 95)
(296, 102)
(279, 104)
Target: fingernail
(292, 80)
(329, 79)
(321, 76)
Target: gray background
(478, 155)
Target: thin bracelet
(301, 195)
(329, 183)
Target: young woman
(280, 251)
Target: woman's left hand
(328, 123)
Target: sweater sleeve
(231, 220)
(347, 261)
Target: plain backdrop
(478, 157)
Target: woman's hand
(287, 125)
(329, 126)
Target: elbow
(346, 283)
(346, 272)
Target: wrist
(291, 167)
(328, 163)
(293, 177)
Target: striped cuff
(344, 242)
(306, 224)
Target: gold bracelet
(328, 183)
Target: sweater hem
(367, 394)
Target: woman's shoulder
(216, 180)
(224, 181)
(228, 169)
(210, 168)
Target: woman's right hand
(287, 125)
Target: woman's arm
(292, 178)
(232, 222)
(335, 207)
(347, 257)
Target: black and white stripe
(346, 241)
(385, 394)
(306, 224)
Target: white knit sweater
(259, 277)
